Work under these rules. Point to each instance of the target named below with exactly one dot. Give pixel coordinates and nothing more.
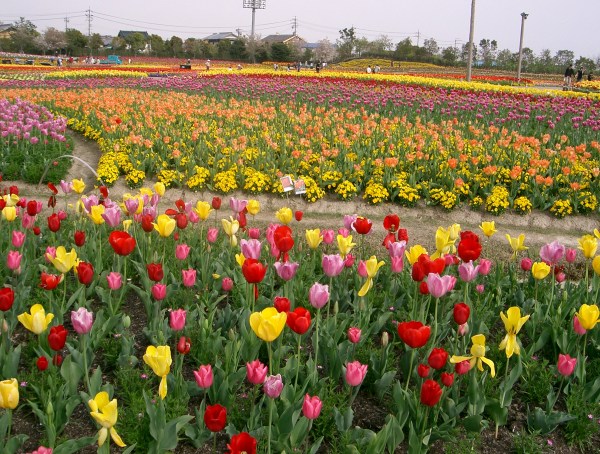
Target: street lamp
(254, 5)
(471, 33)
(523, 17)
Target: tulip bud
(385, 339)
(126, 320)
(463, 329)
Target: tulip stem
(435, 322)
(270, 422)
(412, 357)
(297, 365)
(85, 363)
(583, 359)
(270, 358)
(215, 442)
(317, 344)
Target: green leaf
(543, 422)
(169, 439)
(473, 423)
(15, 442)
(592, 390)
(383, 384)
(315, 446)
(299, 432)
(72, 446)
(497, 412)
(343, 422)
(10, 365)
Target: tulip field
(153, 324)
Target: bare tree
(54, 39)
(325, 51)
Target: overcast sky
(552, 24)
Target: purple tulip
(251, 249)
(286, 270)
(273, 386)
(318, 295)
(332, 264)
(82, 320)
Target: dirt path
(421, 222)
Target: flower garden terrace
(385, 138)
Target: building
(124, 34)
(285, 39)
(216, 38)
(6, 30)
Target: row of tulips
(283, 329)
(495, 151)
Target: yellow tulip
(477, 355)
(63, 261)
(314, 238)
(164, 225)
(413, 254)
(36, 320)
(105, 413)
(240, 259)
(596, 265)
(203, 209)
(159, 359)
(345, 245)
(127, 224)
(443, 242)
(517, 244)
(539, 270)
(488, 228)
(454, 232)
(146, 191)
(78, 186)
(9, 393)
(597, 233)
(140, 199)
(159, 188)
(589, 245)
(9, 213)
(11, 199)
(513, 322)
(253, 207)
(230, 228)
(268, 324)
(284, 215)
(588, 316)
(96, 212)
(372, 266)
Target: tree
(118, 44)
(191, 47)
(487, 51)
(450, 55)
(464, 53)
(224, 49)
(174, 46)
(325, 51)
(431, 46)
(238, 49)
(506, 59)
(346, 43)
(545, 63)
(136, 42)
(24, 36)
(76, 42)
(157, 45)
(564, 58)
(280, 52)
(361, 45)
(96, 42)
(586, 63)
(55, 40)
(404, 50)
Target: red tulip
(215, 417)
(469, 247)
(85, 273)
(282, 237)
(414, 334)
(52, 188)
(418, 272)
(282, 304)
(389, 239)
(431, 392)
(57, 337)
(298, 320)
(42, 363)
(423, 370)
(362, 225)
(423, 288)
(79, 238)
(54, 222)
(57, 360)
(298, 215)
(391, 223)
(402, 235)
(461, 313)
(32, 208)
(184, 345)
(242, 443)
(36, 230)
(7, 298)
(447, 379)
(438, 358)
(122, 242)
(103, 191)
(253, 271)
(182, 220)
(216, 203)
(155, 271)
(147, 223)
(50, 281)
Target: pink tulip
(349, 220)
(182, 251)
(467, 271)
(332, 264)
(42, 450)
(50, 253)
(273, 386)
(354, 334)
(251, 249)
(438, 285)
(318, 295)
(480, 288)
(256, 372)
(462, 367)
(204, 376)
(355, 373)
(552, 253)
(287, 270)
(237, 205)
(193, 217)
(254, 233)
(362, 269)
(189, 277)
(526, 264)
(397, 248)
(349, 261)
(66, 187)
(570, 255)
(13, 260)
(485, 266)
(311, 407)
(112, 216)
(62, 215)
(566, 364)
(212, 235)
(159, 291)
(177, 319)
(328, 236)
(397, 264)
(580, 330)
(132, 204)
(450, 260)
(82, 320)
(18, 238)
(463, 329)
(226, 284)
(114, 280)
(27, 222)
(344, 232)
(560, 277)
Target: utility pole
(418, 37)
(471, 33)
(254, 5)
(89, 16)
(66, 24)
(523, 17)
(294, 25)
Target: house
(6, 30)
(285, 39)
(215, 38)
(124, 34)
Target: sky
(551, 24)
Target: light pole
(523, 17)
(471, 33)
(253, 5)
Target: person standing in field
(579, 74)
(569, 73)
(207, 65)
